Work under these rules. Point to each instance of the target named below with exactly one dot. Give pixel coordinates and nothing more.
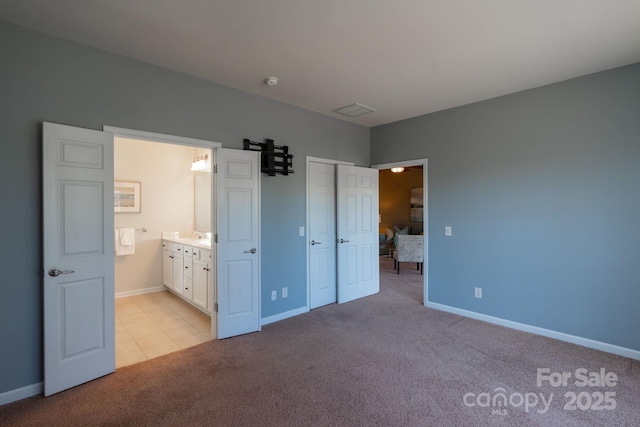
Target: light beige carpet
(380, 361)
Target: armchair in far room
(410, 249)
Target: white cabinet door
(322, 234)
(358, 270)
(210, 290)
(78, 256)
(238, 249)
(201, 284)
(178, 275)
(167, 269)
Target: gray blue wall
(542, 189)
(48, 79)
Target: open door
(79, 338)
(357, 195)
(238, 237)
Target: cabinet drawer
(170, 246)
(205, 255)
(180, 249)
(188, 251)
(196, 253)
(188, 289)
(188, 268)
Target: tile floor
(155, 324)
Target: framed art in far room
(126, 196)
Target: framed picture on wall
(126, 196)
(417, 205)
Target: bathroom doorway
(78, 246)
(174, 197)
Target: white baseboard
(140, 291)
(20, 393)
(285, 315)
(585, 342)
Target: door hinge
(215, 168)
(215, 238)
(215, 307)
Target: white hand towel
(125, 241)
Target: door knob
(344, 241)
(55, 272)
(250, 251)
(313, 242)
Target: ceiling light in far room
(201, 164)
(271, 81)
(397, 170)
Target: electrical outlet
(285, 292)
(274, 295)
(448, 231)
(478, 292)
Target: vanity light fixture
(397, 170)
(201, 164)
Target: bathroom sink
(189, 240)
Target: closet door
(322, 234)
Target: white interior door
(322, 234)
(238, 249)
(79, 340)
(358, 272)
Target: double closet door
(343, 233)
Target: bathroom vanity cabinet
(188, 272)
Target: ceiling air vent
(354, 110)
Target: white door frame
(308, 211)
(177, 140)
(425, 185)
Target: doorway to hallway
(397, 213)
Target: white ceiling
(402, 57)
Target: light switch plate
(301, 231)
(448, 231)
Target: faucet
(200, 235)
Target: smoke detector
(271, 81)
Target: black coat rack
(275, 159)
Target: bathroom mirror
(202, 201)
